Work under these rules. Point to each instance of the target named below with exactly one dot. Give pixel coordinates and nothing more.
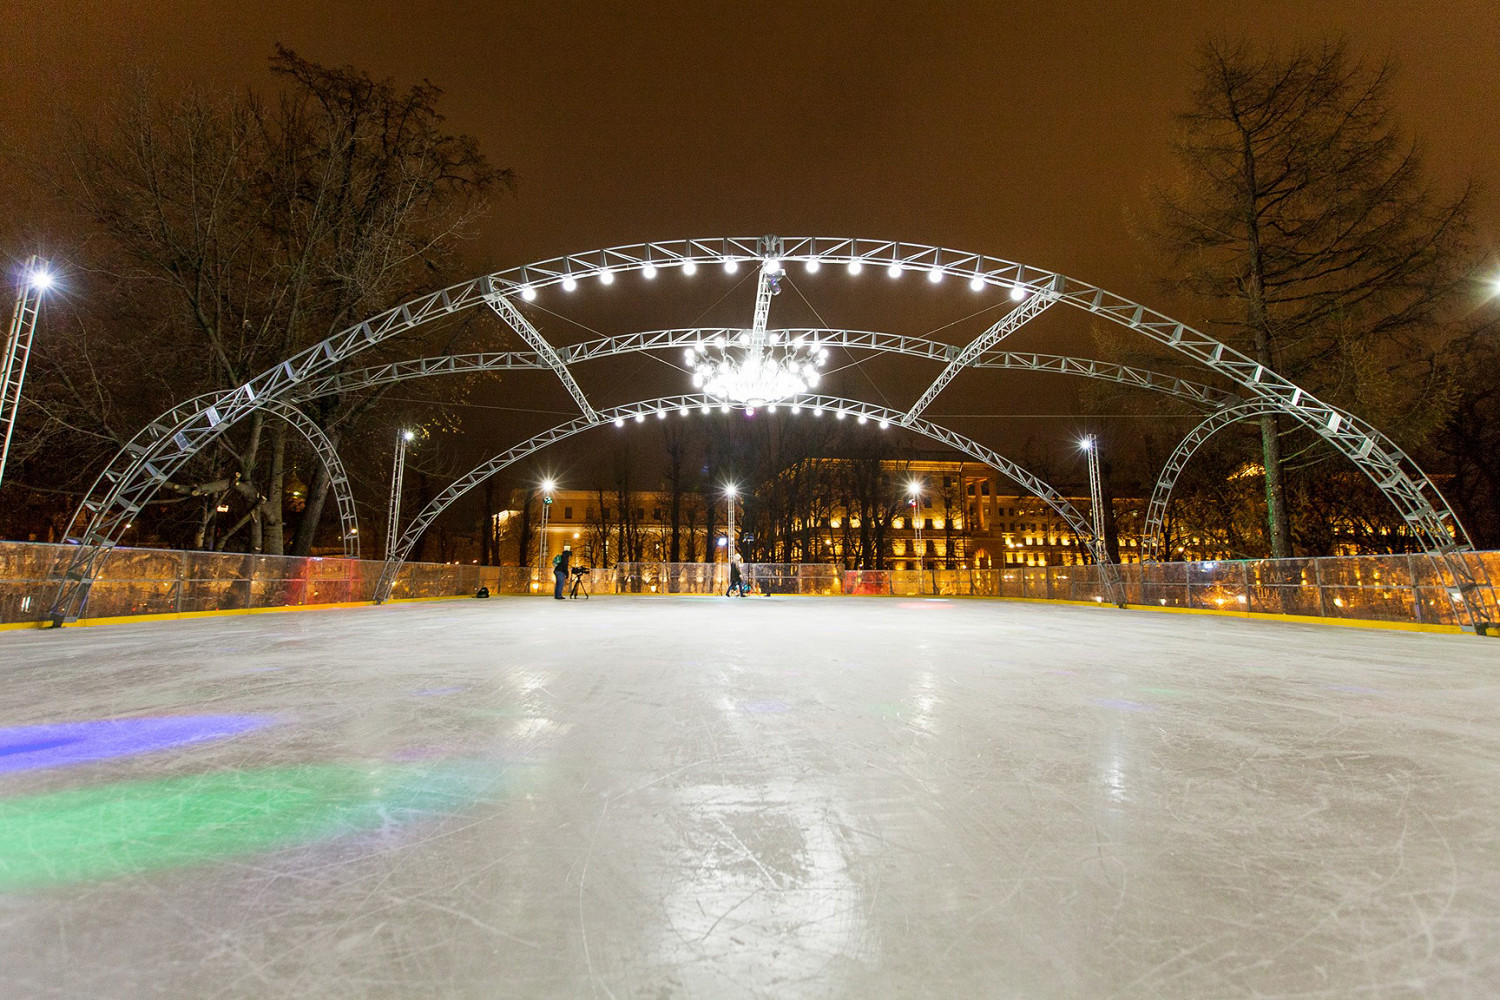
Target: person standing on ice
(560, 570)
(736, 578)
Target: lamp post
(36, 280)
(547, 487)
(914, 490)
(1090, 446)
(398, 472)
(730, 492)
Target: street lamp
(1090, 446)
(35, 280)
(547, 487)
(730, 492)
(398, 472)
(914, 490)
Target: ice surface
(788, 797)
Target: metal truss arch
(832, 407)
(338, 477)
(154, 455)
(338, 480)
(657, 340)
(1153, 541)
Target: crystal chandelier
(756, 367)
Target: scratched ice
(780, 798)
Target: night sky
(1023, 131)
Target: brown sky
(1023, 131)
(1019, 130)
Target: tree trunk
(312, 514)
(487, 523)
(273, 504)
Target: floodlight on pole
(914, 490)
(398, 473)
(1090, 446)
(547, 487)
(37, 279)
(730, 493)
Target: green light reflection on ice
(110, 830)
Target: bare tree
(1303, 222)
(230, 230)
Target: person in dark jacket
(560, 570)
(736, 578)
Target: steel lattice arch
(137, 473)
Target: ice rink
(783, 798)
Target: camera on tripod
(580, 570)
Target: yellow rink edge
(168, 616)
(1262, 615)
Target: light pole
(547, 487)
(1090, 445)
(398, 472)
(914, 490)
(730, 492)
(36, 280)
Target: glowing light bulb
(649, 271)
(894, 270)
(619, 421)
(569, 283)
(976, 283)
(812, 266)
(1017, 292)
(690, 267)
(607, 277)
(731, 265)
(934, 274)
(682, 411)
(855, 267)
(640, 418)
(528, 293)
(884, 424)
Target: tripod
(579, 584)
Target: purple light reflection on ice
(63, 744)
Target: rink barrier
(1381, 590)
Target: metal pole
(729, 542)
(1091, 447)
(18, 350)
(541, 559)
(398, 472)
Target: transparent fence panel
(1396, 588)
